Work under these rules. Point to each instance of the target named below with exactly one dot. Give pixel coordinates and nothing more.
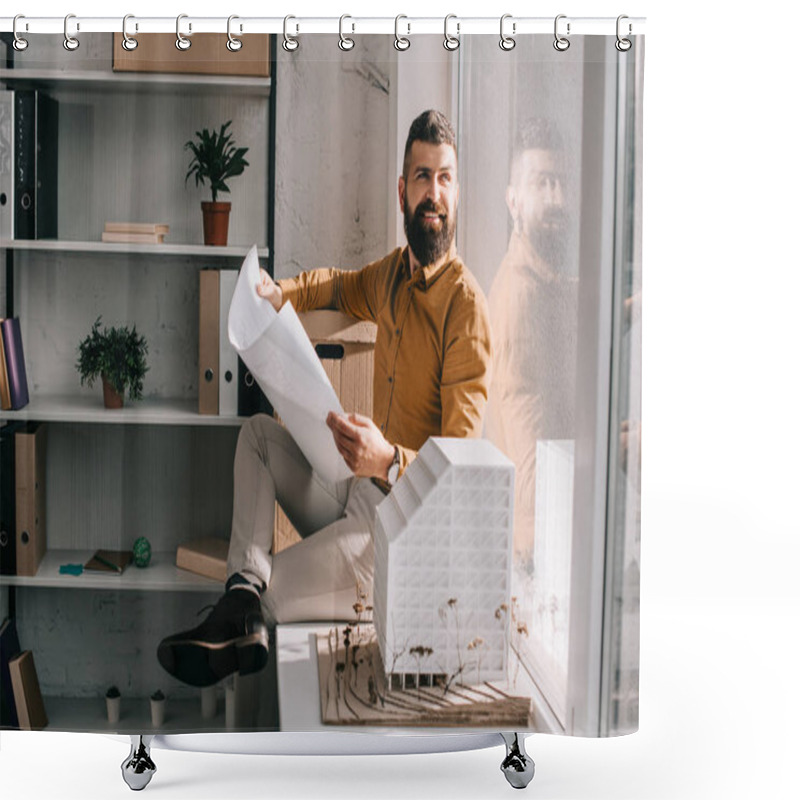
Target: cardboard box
(346, 349)
(208, 55)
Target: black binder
(251, 399)
(36, 165)
(8, 500)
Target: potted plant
(215, 158)
(117, 355)
(113, 698)
(157, 703)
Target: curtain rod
(296, 25)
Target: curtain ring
(561, 43)
(234, 44)
(182, 43)
(507, 42)
(20, 44)
(128, 42)
(623, 45)
(451, 42)
(70, 42)
(345, 42)
(401, 42)
(290, 43)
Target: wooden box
(208, 55)
(346, 348)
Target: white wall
(332, 151)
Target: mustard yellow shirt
(433, 348)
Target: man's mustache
(554, 218)
(428, 206)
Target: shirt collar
(425, 276)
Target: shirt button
(397, 332)
(390, 379)
(381, 428)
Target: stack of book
(13, 376)
(135, 232)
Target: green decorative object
(141, 552)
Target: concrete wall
(332, 149)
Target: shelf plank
(88, 715)
(89, 408)
(161, 575)
(134, 81)
(66, 245)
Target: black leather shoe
(232, 638)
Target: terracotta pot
(111, 398)
(215, 222)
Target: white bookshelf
(88, 714)
(24, 78)
(89, 408)
(161, 575)
(63, 245)
(155, 466)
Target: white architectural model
(443, 543)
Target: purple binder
(15, 363)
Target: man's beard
(426, 243)
(549, 238)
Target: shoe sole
(203, 664)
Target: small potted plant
(215, 158)
(112, 704)
(117, 356)
(157, 703)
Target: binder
(27, 694)
(228, 357)
(30, 457)
(251, 400)
(36, 165)
(208, 357)
(8, 526)
(9, 647)
(6, 164)
(15, 363)
(5, 394)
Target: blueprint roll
(281, 358)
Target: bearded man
(533, 306)
(431, 377)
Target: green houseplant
(216, 159)
(117, 355)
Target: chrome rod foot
(517, 766)
(138, 768)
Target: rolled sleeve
(350, 291)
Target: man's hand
(361, 444)
(269, 290)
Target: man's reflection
(533, 308)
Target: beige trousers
(317, 578)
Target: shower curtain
(456, 234)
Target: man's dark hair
(432, 127)
(534, 133)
